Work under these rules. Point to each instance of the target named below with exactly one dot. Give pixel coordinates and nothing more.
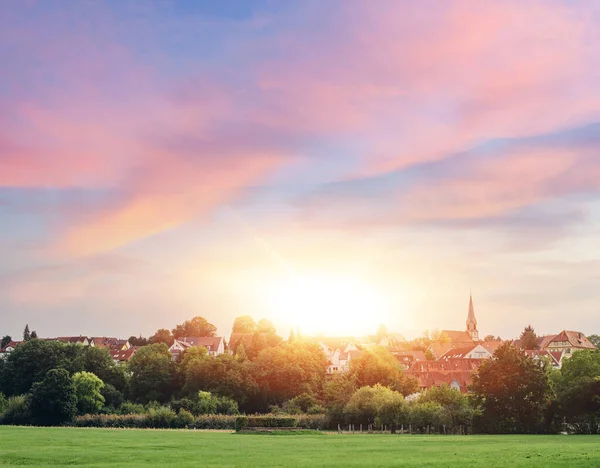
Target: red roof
(449, 365)
(435, 379)
(211, 343)
(123, 355)
(10, 344)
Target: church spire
(472, 321)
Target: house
(81, 340)
(554, 357)
(339, 357)
(408, 358)
(10, 346)
(123, 356)
(455, 372)
(492, 345)
(110, 343)
(469, 352)
(568, 342)
(565, 343)
(215, 345)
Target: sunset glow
(327, 305)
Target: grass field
(155, 448)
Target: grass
(20, 446)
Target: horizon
(328, 167)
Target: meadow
(24, 446)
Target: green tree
(286, 371)
(5, 340)
(26, 333)
(379, 366)
(138, 341)
(198, 326)
(513, 391)
(99, 362)
(34, 335)
(337, 390)
(223, 375)
(528, 338)
(162, 336)
(88, 389)
(244, 324)
(377, 405)
(266, 327)
(53, 400)
(151, 374)
(455, 403)
(29, 363)
(594, 339)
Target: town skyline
(335, 167)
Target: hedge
(166, 418)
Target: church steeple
(472, 321)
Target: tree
(151, 374)
(513, 391)
(337, 390)
(223, 375)
(455, 403)
(5, 340)
(88, 389)
(377, 405)
(244, 324)
(34, 335)
(26, 333)
(382, 333)
(30, 361)
(379, 366)
(492, 338)
(137, 341)
(53, 400)
(594, 339)
(291, 369)
(528, 338)
(162, 336)
(198, 326)
(264, 326)
(292, 336)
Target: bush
(132, 408)
(313, 421)
(184, 419)
(2, 402)
(227, 406)
(271, 421)
(16, 411)
(241, 422)
(215, 421)
(161, 418)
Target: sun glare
(332, 305)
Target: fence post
(361, 428)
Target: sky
(325, 165)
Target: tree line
(50, 383)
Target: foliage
(162, 336)
(379, 366)
(304, 403)
(2, 402)
(152, 372)
(198, 326)
(88, 391)
(5, 340)
(289, 370)
(184, 418)
(457, 405)
(53, 400)
(244, 324)
(223, 375)
(376, 405)
(137, 341)
(270, 421)
(513, 391)
(528, 338)
(26, 333)
(16, 411)
(594, 339)
(337, 390)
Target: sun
(333, 305)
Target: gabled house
(457, 373)
(81, 340)
(110, 343)
(339, 358)
(215, 345)
(10, 346)
(123, 356)
(408, 358)
(554, 357)
(568, 342)
(469, 352)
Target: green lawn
(155, 448)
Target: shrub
(271, 421)
(132, 408)
(184, 419)
(241, 422)
(215, 421)
(227, 406)
(313, 421)
(2, 402)
(16, 411)
(161, 418)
